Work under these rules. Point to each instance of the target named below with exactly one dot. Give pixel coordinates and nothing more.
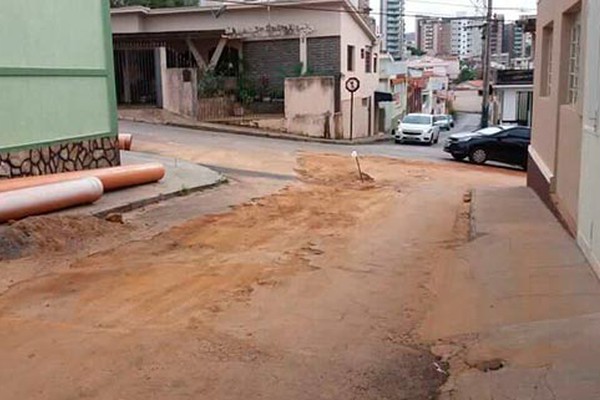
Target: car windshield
(417, 119)
(489, 131)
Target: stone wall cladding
(270, 62)
(73, 156)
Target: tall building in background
(474, 40)
(497, 35)
(514, 40)
(392, 27)
(460, 36)
(435, 36)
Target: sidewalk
(162, 117)
(181, 178)
(519, 316)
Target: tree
(153, 3)
(466, 74)
(415, 51)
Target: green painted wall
(56, 72)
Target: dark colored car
(497, 143)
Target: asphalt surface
(252, 144)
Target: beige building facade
(555, 152)
(565, 153)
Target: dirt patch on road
(313, 292)
(51, 234)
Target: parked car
(417, 128)
(497, 143)
(444, 121)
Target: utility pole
(487, 53)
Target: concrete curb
(224, 128)
(134, 205)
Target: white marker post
(355, 156)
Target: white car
(417, 128)
(444, 121)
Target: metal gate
(136, 76)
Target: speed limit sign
(352, 84)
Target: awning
(383, 96)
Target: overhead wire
(356, 12)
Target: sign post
(352, 86)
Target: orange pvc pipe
(112, 178)
(37, 200)
(125, 141)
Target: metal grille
(135, 72)
(180, 58)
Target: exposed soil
(51, 234)
(316, 291)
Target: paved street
(225, 143)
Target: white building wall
(351, 34)
(460, 38)
(588, 234)
(474, 41)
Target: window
(418, 119)
(375, 63)
(547, 42)
(350, 58)
(574, 59)
(368, 61)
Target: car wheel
(398, 141)
(478, 156)
(458, 157)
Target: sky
(510, 8)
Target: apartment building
(497, 34)
(435, 36)
(564, 158)
(393, 28)
(513, 42)
(425, 36)
(456, 37)
(460, 37)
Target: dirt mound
(330, 169)
(50, 234)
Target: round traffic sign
(352, 84)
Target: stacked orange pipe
(111, 178)
(125, 141)
(37, 200)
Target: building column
(161, 70)
(158, 57)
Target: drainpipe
(303, 54)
